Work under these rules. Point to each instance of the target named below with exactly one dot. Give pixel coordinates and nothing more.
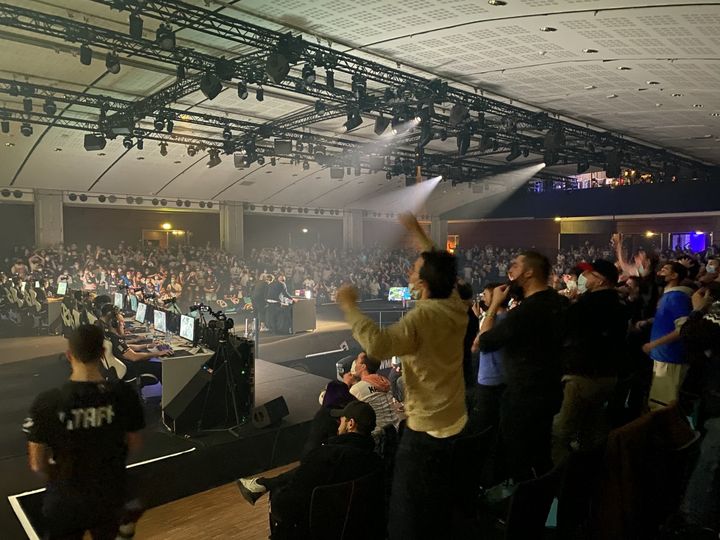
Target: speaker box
(283, 147)
(270, 413)
(337, 173)
(185, 410)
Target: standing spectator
(78, 440)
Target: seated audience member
(368, 386)
(597, 325)
(348, 456)
(137, 358)
(336, 395)
(79, 436)
(490, 375)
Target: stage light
(128, 142)
(191, 151)
(426, 135)
(277, 67)
(308, 74)
(102, 198)
(136, 26)
(299, 146)
(649, 234)
(353, 120)
(525, 152)
(463, 142)
(140, 144)
(27, 105)
(227, 134)
(261, 160)
(5, 126)
(112, 63)
(159, 123)
(26, 129)
(330, 78)
(85, 54)
(306, 165)
(514, 151)
(242, 90)
(388, 175)
(166, 226)
(381, 124)
(180, 73)
(214, 160)
(165, 38)
(72, 196)
(273, 161)
(582, 166)
(187, 204)
(558, 219)
(210, 85)
(163, 149)
(260, 94)
(170, 125)
(49, 107)
(320, 107)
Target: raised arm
(410, 222)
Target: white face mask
(710, 269)
(581, 284)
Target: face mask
(710, 269)
(582, 284)
(414, 293)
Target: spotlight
(514, 151)
(102, 198)
(582, 166)
(277, 67)
(5, 126)
(320, 107)
(261, 160)
(163, 149)
(180, 73)
(209, 204)
(140, 144)
(85, 54)
(136, 26)
(353, 120)
(128, 142)
(191, 151)
(170, 125)
(299, 146)
(112, 63)
(260, 94)
(388, 175)
(112, 198)
(159, 123)
(525, 152)
(381, 124)
(165, 38)
(306, 165)
(330, 78)
(129, 200)
(163, 202)
(273, 161)
(202, 204)
(27, 105)
(308, 74)
(49, 107)
(242, 90)
(178, 203)
(214, 160)
(139, 200)
(463, 142)
(18, 194)
(227, 134)
(210, 85)
(26, 129)
(187, 204)
(72, 196)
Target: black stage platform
(169, 467)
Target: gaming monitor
(159, 321)
(133, 302)
(187, 327)
(398, 294)
(62, 288)
(140, 312)
(119, 301)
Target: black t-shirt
(85, 425)
(119, 346)
(531, 336)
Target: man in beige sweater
(430, 341)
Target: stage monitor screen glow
(140, 312)
(119, 300)
(398, 294)
(187, 327)
(62, 288)
(159, 321)
(133, 302)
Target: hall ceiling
(665, 95)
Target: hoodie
(375, 391)
(429, 339)
(673, 310)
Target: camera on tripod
(221, 322)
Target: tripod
(222, 362)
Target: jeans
(701, 505)
(421, 494)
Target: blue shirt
(491, 371)
(674, 304)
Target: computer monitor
(37, 284)
(172, 322)
(62, 288)
(133, 302)
(398, 294)
(140, 312)
(187, 327)
(159, 321)
(119, 301)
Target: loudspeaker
(94, 142)
(271, 413)
(337, 173)
(283, 147)
(185, 410)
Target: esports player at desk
(137, 358)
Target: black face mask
(516, 291)
(660, 280)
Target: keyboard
(179, 353)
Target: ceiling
(664, 95)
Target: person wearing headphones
(137, 358)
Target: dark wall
(385, 234)
(540, 234)
(17, 226)
(268, 231)
(690, 196)
(110, 226)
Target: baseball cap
(361, 412)
(605, 268)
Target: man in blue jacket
(665, 347)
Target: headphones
(108, 309)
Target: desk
(177, 372)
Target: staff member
(79, 436)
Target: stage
(169, 466)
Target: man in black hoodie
(595, 349)
(347, 457)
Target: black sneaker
(250, 489)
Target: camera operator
(137, 358)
